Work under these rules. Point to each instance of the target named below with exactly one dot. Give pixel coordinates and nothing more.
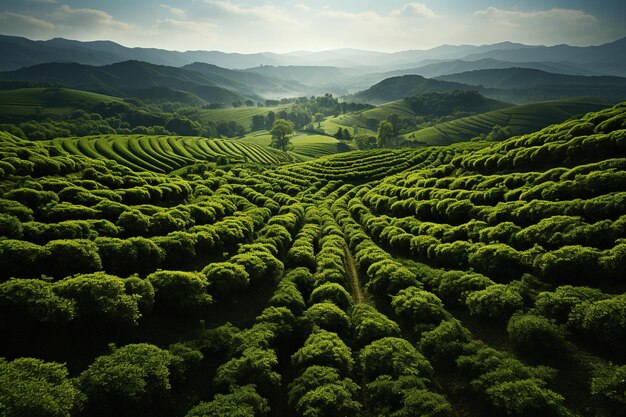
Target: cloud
(412, 10)
(175, 11)
(302, 7)
(23, 25)
(517, 18)
(550, 26)
(267, 13)
(89, 19)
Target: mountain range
(606, 59)
(506, 71)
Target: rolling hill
(122, 79)
(25, 103)
(520, 119)
(396, 88)
(508, 78)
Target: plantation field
(469, 280)
(521, 119)
(24, 103)
(165, 154)
(240, 115)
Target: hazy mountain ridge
(17, 52)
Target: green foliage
(100, 298)
(370, 325)
(497, 302)
(132, 379)
(281, 129)
(69, 257)
(242, 402)
(418, 307)
(325, 349)
(27, 301)
(179, 291)
(536, 336)
(254, 366)
(331, 292)
(393, 356)
(327, 316)
(445, 342)
(31, 387)
(226, 277)
(609, 384)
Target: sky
(248, 26)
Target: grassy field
(241, 115)
(29, 102)
(304, 144)
(521, 119)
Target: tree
(319, 118)
(280, 134)
(339, 134)
(258, 122)
(385, 133)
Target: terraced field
(521, 119)
(467, 280)
(164, 154)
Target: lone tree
(385, 133)
(280, 133)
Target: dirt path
(353, 276)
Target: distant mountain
(459, 65)
(523, 85)
(508, 78)
(246, 81)
(126, 78)
(396, 88)
(608, 59)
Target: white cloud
(519, 17)
(175, 11)
(412, 10)
(266, 13)
(550, 26)
(302, 7)
(88, 19)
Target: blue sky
(289, 25)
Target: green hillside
(520, 119)
(124, 78)
(26, 103)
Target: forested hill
(396, 88)
(477, 279)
